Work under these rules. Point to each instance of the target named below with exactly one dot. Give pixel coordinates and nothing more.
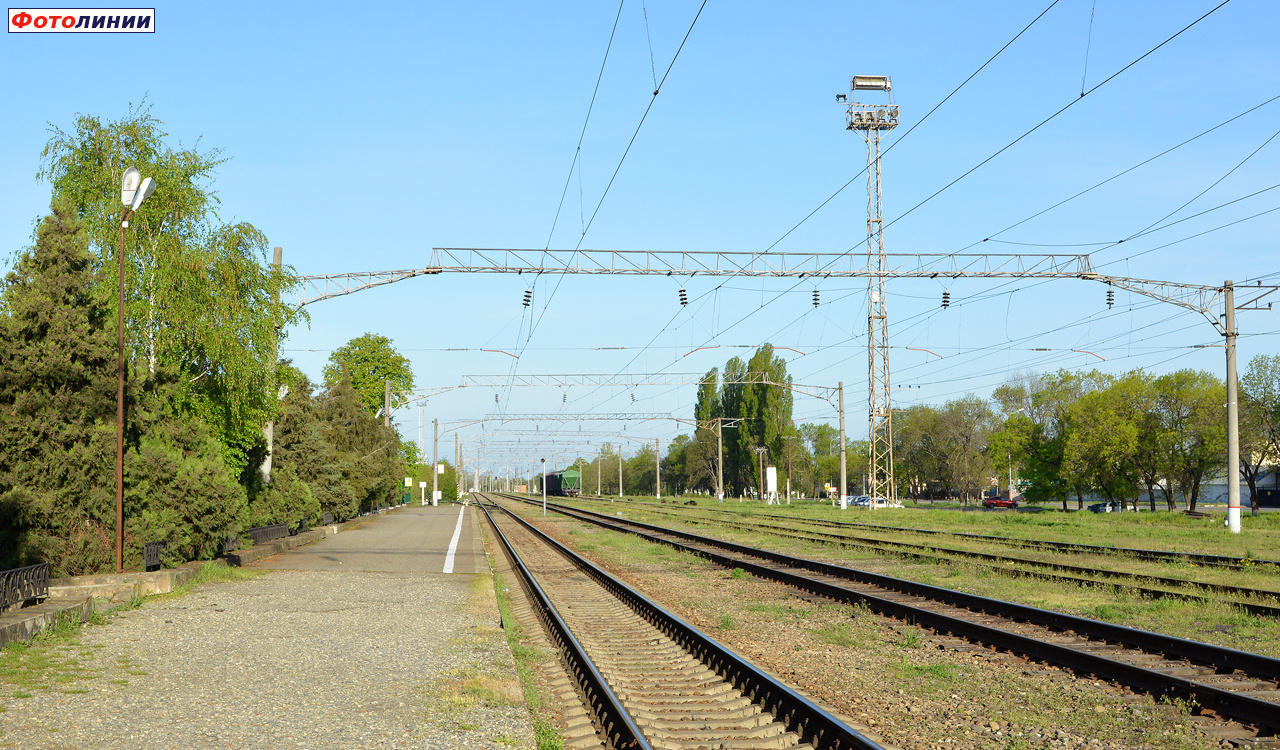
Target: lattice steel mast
(871, 120)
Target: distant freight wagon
(567, 483)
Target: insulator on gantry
(946, 300)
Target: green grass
(527, 657)
(780, 612)
(910, 637)
(726, 623)
(1260, 538)
(214, 571)
(739, 574)
(49, 659)
(838, 634)
(937, 672)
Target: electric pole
(1233, 411)
(657, 467)
(843, 475)
(789, 439)
(720, 458)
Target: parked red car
(999, 502)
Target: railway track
(1239, 688)
(648, 679)
(1258, 602)
(1151, 555)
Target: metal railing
(21, 585)
(152, 553)
(264, 534)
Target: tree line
(747, 404)
(1062, 437)
(203, 320)
(1126, 437)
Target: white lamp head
(129, 185)
(144, 191)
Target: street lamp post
(544, 486)
(133, 191)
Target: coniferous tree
(302, 454)
(178, 488)
(57, 402)
(367, 451)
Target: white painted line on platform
(453, 543)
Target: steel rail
(608, 715)
(1144, 554)
(810, 722)
(921, 550)
(1263, 714)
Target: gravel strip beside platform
(293, 659)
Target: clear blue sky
(361, 137)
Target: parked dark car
(1107, 507)
(999, 502)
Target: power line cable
(1049, 119)
(1122, 173)
(1109, 78)
(890, 147)
(627, 151)
(577, 151)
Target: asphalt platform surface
(418, 542)
(358, 641)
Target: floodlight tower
(871, 120)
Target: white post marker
(453, 543)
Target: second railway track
(651, 680)
(1259, 602)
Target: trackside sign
(82, 20)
